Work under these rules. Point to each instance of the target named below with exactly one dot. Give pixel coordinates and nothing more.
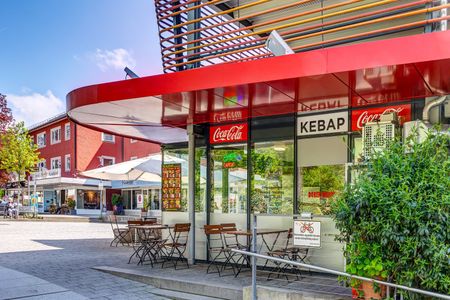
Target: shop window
(55, 135)
(133, 157)
(88, 199)
(321, 172)
(55, 163)
(132, 141)
(106, 137)
(67, 131)
(155, 199)
(41, 139)
(273, 179)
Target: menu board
(171, 187)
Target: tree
(5, 120)
(18, 152)
(395, 218)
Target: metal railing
(254, 255)
(196, 33)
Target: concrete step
(180, 296)
(187, 286)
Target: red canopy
(158, 108)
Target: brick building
(66, 149)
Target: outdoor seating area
(165, 246)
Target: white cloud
(35, 107)
(113, 59)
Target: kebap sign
(307, 233)
(322, 124)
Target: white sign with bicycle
(307, 233)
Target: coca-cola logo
(361, 117)
(228, 133)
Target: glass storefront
(88, 199)
(151, 198)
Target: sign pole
(35, 195)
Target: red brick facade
(87, 148)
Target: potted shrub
(117, 202)
(394, 218)
(71, 204)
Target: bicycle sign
(307, 233)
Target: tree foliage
(395, 218)
(18, 152)
(5, 120)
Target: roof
(48, 121)
(158, 108)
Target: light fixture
(279, 147)
(277, 45)
(130, 73)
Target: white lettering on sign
(321, 124)
(367, 117)
(231, 134)
(307, 233)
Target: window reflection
(273, 177)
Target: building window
(55, 135)
(55, 163)
(67, 131)
(132, 141)
(107, 161)
(133, 157)
(106, 137)
(67, 162)
(41, 165)
(41, 139)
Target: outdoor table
(150, 241)
(259, 232)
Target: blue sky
(50, 47)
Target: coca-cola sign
(363, 116)
(232, 133)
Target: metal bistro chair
(232, 242)
(121, 235)
(177, 247)
(285, 250)
(218, 252)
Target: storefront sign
(322, 124)
(140, 201)
(232, 133)
(363, 116)
(323, 104)
(307, 233)
(171, 187)
(52, 173)
(229, 116)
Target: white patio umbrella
(146, 169)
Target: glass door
(229, 185)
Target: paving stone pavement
(63, 253)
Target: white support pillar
(191, 191)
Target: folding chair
(284, 250)
(121, 235)
(217, 250)
(175, 250)
(232, 242)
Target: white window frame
(67, 136)
(107, 140)
(42, 164)
(102, 158)
(67, 169)
(52, 142)
(45, 138)
(58, 158)
(132, 141)
(133, 157)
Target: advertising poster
(171, 187)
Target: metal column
(191, 191)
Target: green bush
(116, 199)
(395, 218)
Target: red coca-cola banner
(362, 116)
(233, 133)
